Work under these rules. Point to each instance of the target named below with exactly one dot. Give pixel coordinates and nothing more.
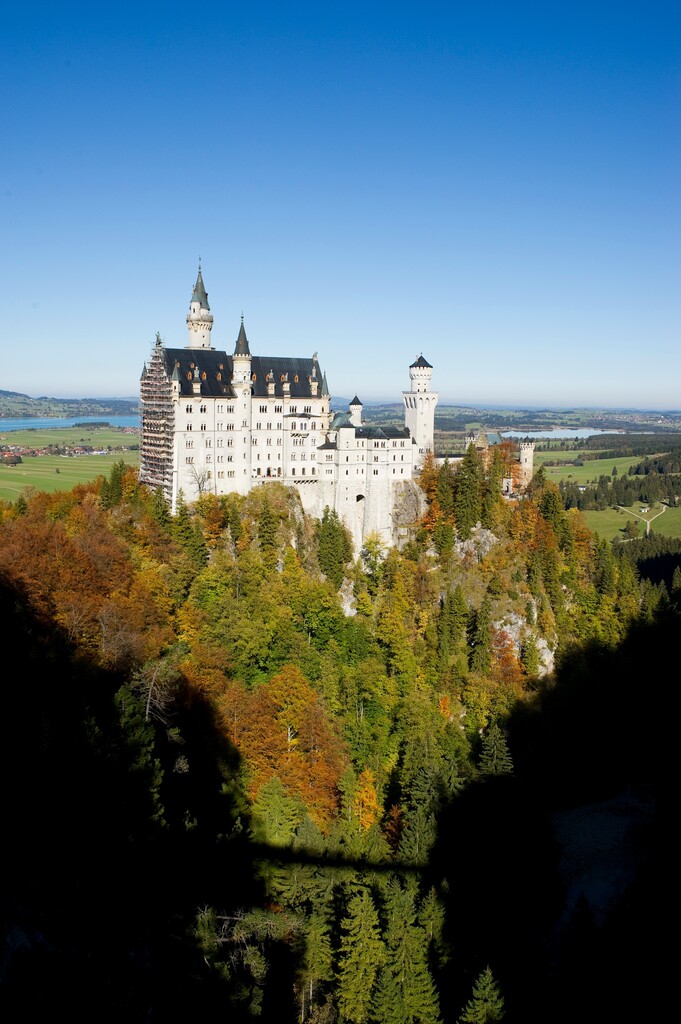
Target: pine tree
(495, 758)
(334, 549)
(362, 953)
(267, 529)
(405, 992)
(468, 493)
(481, 655)
(486, 1006)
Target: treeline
(258, 773)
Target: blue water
(547, 435)
(7, 425)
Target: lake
(43, 423)
(549, 435)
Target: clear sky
(494, 185)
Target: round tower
(241, 360)
(419, 406)
(199, 317)
(355, 408)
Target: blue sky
(493, 185)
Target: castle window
(313, 425)
(307, 408)
(303, 455)
(279, 440)
(219, 409)
(230, 472)
(293, 456)
(230, 458)
(219, 426)
(244, 423)
(253, 377)
(294, 408)
(313, 471)
(279, 425)
(278, 408)
(189, 444)
(221, 475)
(230, 442)
(269, 441)
(189, 426)
(263, 408)
(375, 472)
(293, 425)
(209, 458)
(302, 472)
(295, 379)
(375, 458)
(258, 426)
(220, 458)
(229, 426)
(202, 408)
(203, 426)
(254, 440)
(209, 443)
(269, 426)
(189, 459)
(329, 458)
(189, 409)
(229, 408)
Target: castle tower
(199, 317)
(526, 462)
(355, 408)
(241, 361)
(419, 406)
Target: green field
(611, 522)
(589, 472)
(58, 472)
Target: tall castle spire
(199, 317)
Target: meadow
(61, 472)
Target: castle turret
(419, 406)
(355, 408)
(199, 317)
(241, 360)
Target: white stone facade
(219, 423)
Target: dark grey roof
(421, 362)
(241, 348)
(215, 372)
(200, 294)
(382, 432)
(341, 419)
(355, 401)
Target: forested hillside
(251, 774)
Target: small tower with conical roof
(355, 408)
(241, 360)
(199, 317)
(419, 406)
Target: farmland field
(60, 472)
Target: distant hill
(15, 405)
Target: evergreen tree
(468, 493)
(481, 655)
(267, 529)
(495, 758)
(491, 492)
(334, 549)
(486, 1005)
(405, 993)
(362, 953)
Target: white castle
(219, 423)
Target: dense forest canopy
(253, 772)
